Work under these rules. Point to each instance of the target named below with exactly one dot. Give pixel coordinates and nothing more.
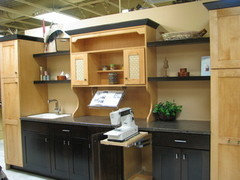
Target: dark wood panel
(179, 42)
(59, 53)
(189, 78)
(79, 158)
(166, 163)
(35, 127)
(195, 165)
(36, 152)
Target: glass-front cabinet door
(134, 71)
(79, 69)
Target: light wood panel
(225, 38)
(9, 53)
(33, 98)
(225, 112)
(13, 145)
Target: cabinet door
(60, 158)
(79, 158)
(79, 69)
(9, 60)
(225, 124)
(11, 101)
(225, 38)
(134, 66)
(166, 163)
(11, 114)
(195, 165)
(36, 152)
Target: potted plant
(166, 111)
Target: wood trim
(139, 30)
(228, 12)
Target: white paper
(106, 99)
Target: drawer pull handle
(65, 130)
(64, 142)
(184, 156)
(68, 143)
(180, 141)
(176, 156)
(46, 140)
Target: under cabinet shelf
(110, 71)
(179, 42)
(52, 82)
(59, 53)
(189, 78)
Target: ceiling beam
(81, 5)
(24, 22)
(114, 4)
(13, 11)
(13, 26)
(35, 5)
(84, 8)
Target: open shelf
(59, 53)
(179, 42)
(52, 82)
(110, 71)
(190, 78)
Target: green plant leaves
(167, 109)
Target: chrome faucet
(57, 108)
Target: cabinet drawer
(42, 128)
(73, 131)
(181, 140)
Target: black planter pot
(161, 117)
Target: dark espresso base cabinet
(180, 157)
(69, 152)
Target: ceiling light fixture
(57, 18)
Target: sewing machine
(128, 128)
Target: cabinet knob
(126, 78)
(85, 79)
(15, 72)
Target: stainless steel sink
(49, 116)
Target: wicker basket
(183, 35)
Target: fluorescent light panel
(57, 18)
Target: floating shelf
(52, 82)
(179, 42)
(190, 78)
(59, 53)
(110, 71)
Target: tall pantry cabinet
(225, 93)
(19, 95)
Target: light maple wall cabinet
(19, 95)
(225, 85)
(123, 45)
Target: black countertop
(138, 22)
(180, 126)
(221, 4)
(19, 36)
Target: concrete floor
(15, 174)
